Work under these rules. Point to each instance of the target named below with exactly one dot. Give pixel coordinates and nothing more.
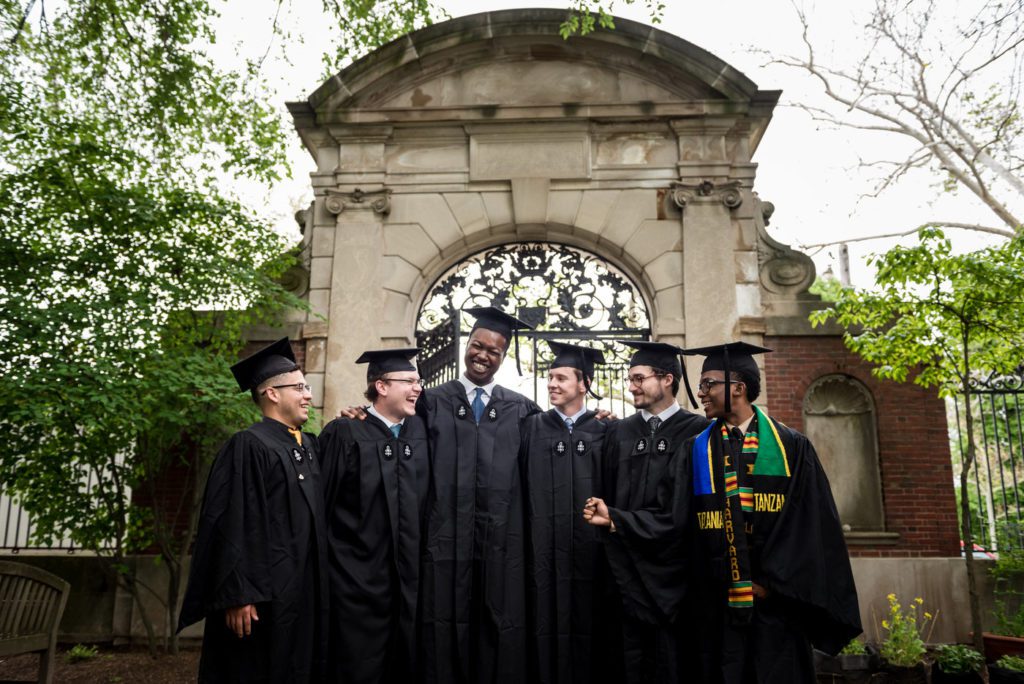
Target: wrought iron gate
(565, 293)
(996, 483)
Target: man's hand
(605, 414)
(759, 591)
(595, 512)
(239, 620)
(352, 412)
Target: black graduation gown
(375, 488)
(797, 552)
(473, 585)
(560, 472)
(646, 553)
(261, 540)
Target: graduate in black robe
(768, 547)
(643, 525)
(258, 571)
(473, 585)
(375, 481)
(561, 457)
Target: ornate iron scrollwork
(581, 292)
(992, 383)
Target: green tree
(118, 136)
(937, 317)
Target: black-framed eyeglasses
(639, 379)
(706, 384)
(297, 386)
(411, 382)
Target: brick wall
(914, 458)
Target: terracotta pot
(998, 645)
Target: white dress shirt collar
(672, 410)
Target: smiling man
(474, 616)
(376, 473)
(768, 550)
(561, 457)
(258, 572)
(636, 508)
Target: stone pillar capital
(379, 201)
(686, 193)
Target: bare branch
(1002, 232)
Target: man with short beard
(636, 511)
(375, 483)
(767, 545)
(258, 572)
(561, 457)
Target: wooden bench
(31, 604)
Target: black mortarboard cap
(388, 361)
(581, 358)
(732, 357)
(659, 355)
(272, 360)
(491, 318)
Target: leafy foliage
(903, 644)
(959, 658)
(1011, 662)
(937, 313)
(116, 136)
(855, 647)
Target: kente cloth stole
(736, 494)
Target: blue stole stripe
(703, 482)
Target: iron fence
(996, 482)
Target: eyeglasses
(412, 382)
(298, 387)
(706, 384)
(639, 379)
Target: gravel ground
(112, 665)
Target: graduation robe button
(301, 476)
(461, 411)
(581, 447)
(388, 451)
(407, 451)
(559, 447)
(641, 445)
(662, 445)
(492, 413)
(296, 455)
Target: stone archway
(631, 144)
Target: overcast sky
(809, 172)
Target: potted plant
(852, 665)
(957, 663)
(1007, 670)
(903, 651)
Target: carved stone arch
(841, 421)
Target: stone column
(356, 298)
(709, 265)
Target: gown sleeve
(229, 564)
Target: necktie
(478, 404)
(568, 424)
(297, 434)
(653, 424)
(395, 429)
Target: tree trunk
(965, 526)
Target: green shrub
(903, 645)
(81, 652)
(959, 658)
(855, 647)
(1010, 662)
